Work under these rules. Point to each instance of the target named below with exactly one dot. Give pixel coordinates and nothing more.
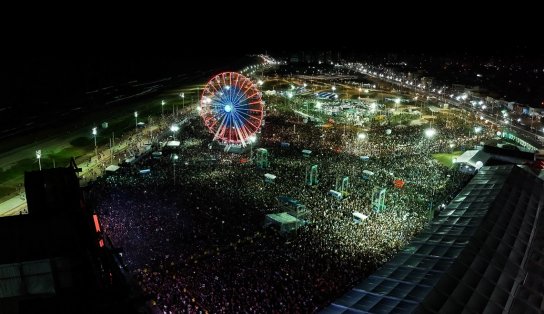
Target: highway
(492, 117)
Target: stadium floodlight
(95, 147)
(174, 128)
(430, 132)
(174, 158)
(39, 156)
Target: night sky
(46, 69)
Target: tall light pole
(39, 156)
(477, 130)
(174, 158)
(252, 139)
(136, 118)
(429, 134)
(94, 135)
(162, 107)
(397, 102)
(361, 137)
(174, 128)
(182, 95)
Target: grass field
(60, 143)
(446, 158)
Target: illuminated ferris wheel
(232, 108)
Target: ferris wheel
(232, 108)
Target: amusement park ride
(232, 109)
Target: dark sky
(58, 56)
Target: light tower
(39, 156)
(95, 147)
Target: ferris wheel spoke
(248, 132)
(219, 100)
(241, 105)
(231, 95)
(241, 94)
(247, 89)
(224, 82)
(239, 129)
(220, 129)
(238, 95)
(236, 81)
(247, 121)
(211, 84)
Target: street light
(95, 148)
(136, 118)
(397, 102)
(174, 158)
(162, 107)
(174, 128)
(183, 100)
(252, 139)
(430, 132)
(39, 156)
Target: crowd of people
(192, 232)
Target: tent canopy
(112, 168)
(173, 143)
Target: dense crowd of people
(192, 232)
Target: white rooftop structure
(173, 143)
(112, 168)
(474, 158)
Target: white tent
(367, 173)
(359, 217)
(268, 177)
(473, 158)
(173, 144)
(284, 221)
(112, 168)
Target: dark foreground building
(484, 253)
(55, 260)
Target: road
(530, 137)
